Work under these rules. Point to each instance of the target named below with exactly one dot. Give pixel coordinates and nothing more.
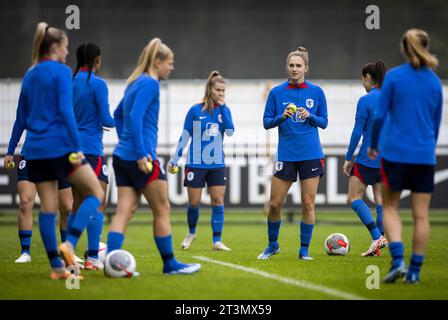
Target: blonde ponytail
(415, 45)
(208, 101)
(154, 50)
(44, 37)
(38, 37)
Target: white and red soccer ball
(337, 244)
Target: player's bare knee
(194, 203)
(25, 205)
(99, 194)
(275, 207)
(308, 206)
(218, 201)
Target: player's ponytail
(154, 50)
(376, 70)
(301, 52)
(415, 46)
(44, 37)
(208, 101)
(86, 56)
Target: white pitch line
(298, 283)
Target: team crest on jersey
(105, 171)
(220, 118)
(278, 166)
(190, 176)
(22, 164)
(212, 129)
(309, 103)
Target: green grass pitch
(246, 234)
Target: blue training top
(365, 114)
(207, 133)
(298, 138)
(46, 106)
(411, 109)
(90, 101)
(136, 119)
(17, 130)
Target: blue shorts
(99, 166)
(368, 176)
(415, 177)
(41, 170)
(22, 175)
(288, 170)
(197, 177)
(128, 174)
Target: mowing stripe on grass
(298, 283)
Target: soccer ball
(337, 244)
(102, 251)
(119, 264)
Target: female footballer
(362, 170)
(137, 169)
(54, 148)
(298, 108)
(91, 105)
(206, 123)
(408, 118)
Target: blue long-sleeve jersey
(207, 132)
(298, 138)
(17, 130)
(410, 108)
(46, 105)
(91, 105)
(140, 115)
(365, 115)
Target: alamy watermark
(73, 281)
(373, 20)
(73, 21)
(373, 280)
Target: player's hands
(143, 164)
(372, 153)
(8, 162)
(303, 113)
(76, 158)
(347, 167)
(287, 113)
(172, 168)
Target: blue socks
(48, 233)
(25, 240)
(273, 231)
(415, 266)
(114, 241)
(363, 212)
(192, 218)
(306, 232)
(217, 222)
(396, 251)
(81, 219)
(94, 229)
(165, 247)
(379, 218)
